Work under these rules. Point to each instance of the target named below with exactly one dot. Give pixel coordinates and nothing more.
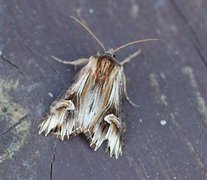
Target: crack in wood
(15, 125)
(5, 59)
(9, 62)
(52, 161)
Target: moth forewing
(91, 106)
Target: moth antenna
(134, 42)
(93, 35)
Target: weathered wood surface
(166, 137)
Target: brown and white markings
(92, 104)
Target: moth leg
(81, 61)
(128, 59)
(126, 95)
(130, 101)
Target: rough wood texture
(166, 137)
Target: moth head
(110, 53)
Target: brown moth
(92, 104)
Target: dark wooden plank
(166, 136)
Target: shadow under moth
(92, 104)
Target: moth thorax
(104, 69)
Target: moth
(92, 105)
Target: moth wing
(111, 127)
(62, 117)
(92, 106)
